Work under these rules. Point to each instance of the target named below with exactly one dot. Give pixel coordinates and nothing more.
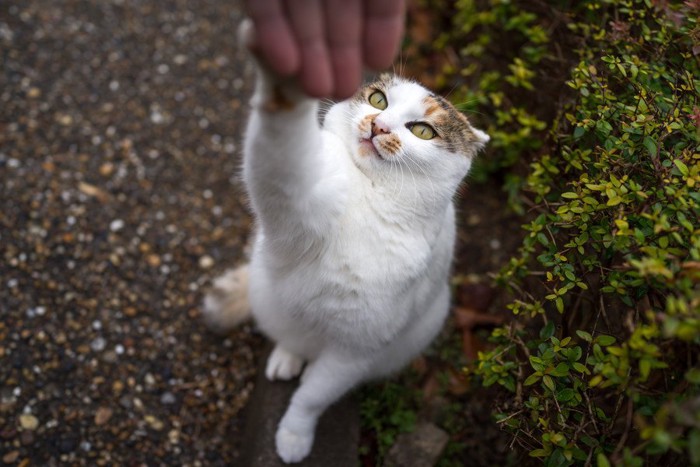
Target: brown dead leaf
(466, 320)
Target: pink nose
(379, 127)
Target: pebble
(116, 225)
(167, 398)
(154, 423)
(420, 448)
(11, 457)
(102, 415)
(110, 134)
(206, 262)
(98, 344)
(28, 421)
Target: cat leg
(283, 365)
(324, 382)
(226, 304)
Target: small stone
(420, 448)
(93, 191)
(10, 457)
(102, 415)
(116, 225)
(126, 402)
(106, 169)
(153, 260)
(174, 436)
(27, 438)
(167, 398)
(149, 379)
(206, 261)
(110, 356)
(68, 444)
(65, 119)
(33, 93)
(28, 421)
(98, 344)
(60, 337)
(154, 423)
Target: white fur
(349, 269)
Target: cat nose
(379, 127)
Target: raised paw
(293, 446)
(283, 365)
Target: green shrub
(602, 354)
(497, 49)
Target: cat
(349, 268)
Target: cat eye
(378, 100)
(422, 130)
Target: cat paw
(293, 446)
(226, 304)
(283, 365)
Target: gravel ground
(120, 124)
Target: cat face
(394, 126)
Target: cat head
(395, 126)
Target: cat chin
(368, 149)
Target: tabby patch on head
(457, 133)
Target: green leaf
(650, 144)
(584, 335)
(602, 461)
(565, 395)
(561, 370)
(547, 331)
(682, 168)
(538, 453)
(693, 376)
(549, 382)
(694, 446)
(644, 368)
(614, 201)
(532, 379)
(559, 304)
(605, 340)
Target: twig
(625, 434)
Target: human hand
(326, 43)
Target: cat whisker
(409, 159)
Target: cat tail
(226, 304)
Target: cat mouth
(367, 147)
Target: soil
(120, 126)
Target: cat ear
(481, 137)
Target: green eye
(377, 100)
(423, 131)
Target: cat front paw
(283, 365)
(293, 446)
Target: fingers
(343, 35)
(383, 31)
(307, 21)
(274, 38)
(325, 43)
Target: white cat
(355, 231)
